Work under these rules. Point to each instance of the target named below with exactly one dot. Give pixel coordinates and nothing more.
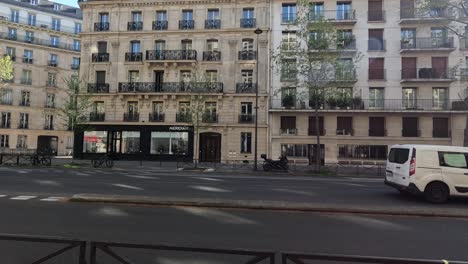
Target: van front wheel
(436, 192)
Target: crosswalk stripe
(23, 197)
(52, 199)
(2, 195)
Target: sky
(68, 2)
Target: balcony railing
(134, 56)
(26, 81)
(345, 132)
(427, 43)
(212, 24)
(6, 102)
(376, 45)
(171, 87)
(288, 131)
(37, 41)
(376, 16)
(333, 15)
(97, 117)
(248, 23)
(101, 26)
(160, 25)
(49, 105)
(377, 74)
(183, 117)
(100, 57)
(212, 55)
(98, 88)
(427, 74)
(422, 13)
(48, 127)
(51, 84)
(52, 63)
(345, 75)
(28, 60)
(246, 118)
(24, 20)
(246, 87)
(210, 118)
(135, 26)
(186, 24)
(165, 55)
(74, 66)
(23, 126)
(353, 104)
(25, 103)
(131, 117)
(247, 55)
(156, 117)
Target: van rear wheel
(436, 192)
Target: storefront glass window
(95, 142)
(169, 143)
(130, 142)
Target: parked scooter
(269, 164)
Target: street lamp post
(257, 31)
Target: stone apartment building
(408, 86)
(142, 61)
(42, 38)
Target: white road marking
(210, 179)
(81, 174)
(352, 184)
(209, 189)
(22, 172)
(52, 199)
(142, 177)
(127, 186)
(2, 195)
(23, 197)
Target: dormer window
(34, 2)
(57, 7)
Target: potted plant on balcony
(332, 102)
(357, 103)
(320, 99)
(288, 101)
(343, 102)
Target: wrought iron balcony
(6, 101)
(171, 87)
(101, 26)
(183, 117)
(49, 105)
(288, 131)
(48, 127)
(156, 117)
(345, 132)
(376, 16)
(247, 55)
(25, 103)
(98, 88)
(246, 87)
(28, 60)
(212, 23)
(212, 55)
(135, 26)
(427, 74)
(160, 25)
(210, 117)
(131, 117)
(427, 43)
(26, 81)
(345, 75)
(248, 23)
(186, 24)
(75, 66)
(423, 14)
(23, 126)
(52, 63)
(167, 55)
(246, 118)
(5, 125)
(51, 84)
(134, 56)
(333, 15)
(97, 117)
(100, 57)
(37, 41)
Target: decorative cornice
(158, 3)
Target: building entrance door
(210, 147)
(47, 145)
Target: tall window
(213, 14)
(98, 107)
(132, 108)
(135, 46)
(54, 41)
(52, 79)
(56, 24)
(4, 141)
(31, 19)
(439, 98)
(158, 108)
(212, 45)
(409, 98)
(288, 41)
(49, 122)
(76, 45)
(408, 38)
(212, 76)
(133, 76)
(247, 76)
(25, 98)
(246, 142)
(288, 96)
(10, 51)
(136, 16)
(24, 121)
(76, 61)
(12, 33)
(159, 45)
(410, 127)
(50, 101)
(77, 28)
(248, 13)
(54, 58)
(14, 16)
(186, 44)
(316, 11)
(21, 142)
(247, 44)
(104, 17)
(376, 97)
(289, 13)
(246, 108)
(288, 125)
(26, 77)
(5, 120)
(6, 96)
(161, 16)
(187, 15)
(343, 11)
(29, 37)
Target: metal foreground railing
(111, 250)
(69, 245)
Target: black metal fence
(132, 253)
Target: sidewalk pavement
(418, 211)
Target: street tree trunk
(317, 130)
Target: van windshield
(398, 155)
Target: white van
(437, 172)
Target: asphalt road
(360, 192)
(438, 238)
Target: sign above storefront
(180, 128)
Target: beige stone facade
(138, 57)
(43, 41)
(411, 81)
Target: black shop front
(167, 143)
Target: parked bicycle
(37, 160)
(106, 159)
